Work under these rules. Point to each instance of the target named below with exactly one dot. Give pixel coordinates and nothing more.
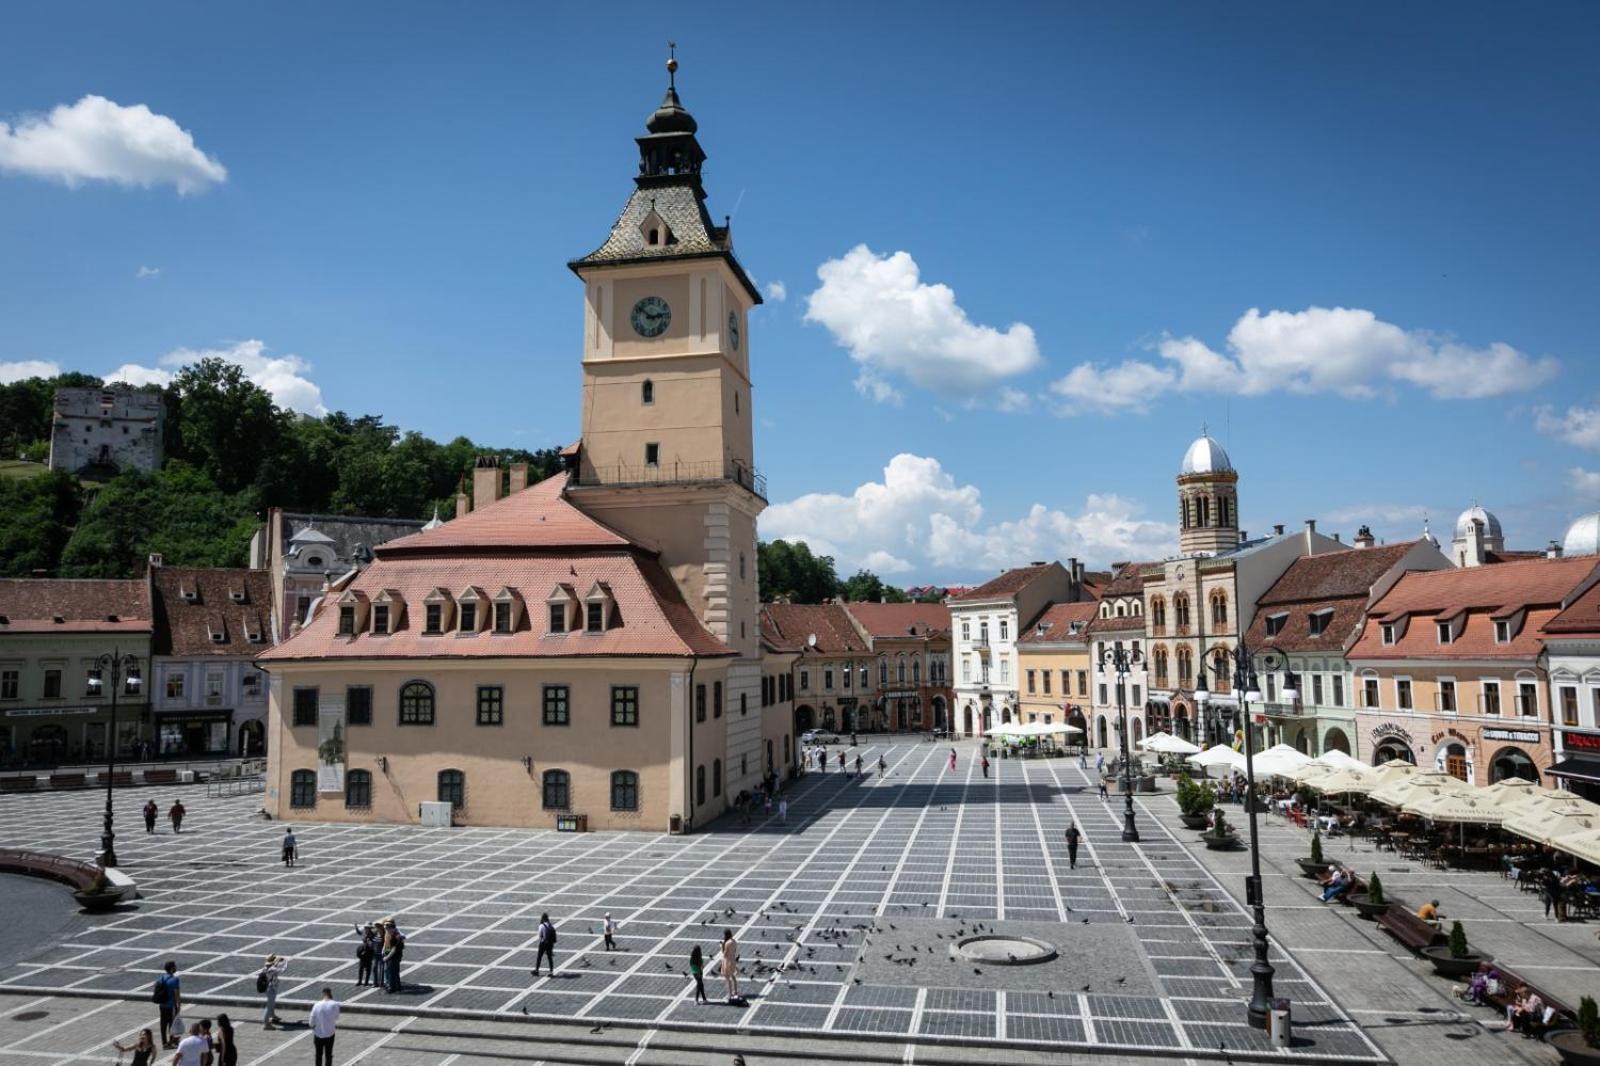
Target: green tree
(36, 519)
(177, 512)
(866, 587)
(27, 410)
(790, 570)
(227, 424)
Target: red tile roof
(1006, 585)
(185, 624)
(32, 605)
(1057, 621)
(538, 517)
(793, 624)
(1127, 580)
(898, 619)
(1127, 623)
(1582, 616)
(1335, 574)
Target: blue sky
(371, 206)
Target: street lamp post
(117, 666)
(1246, 687)
(1122, 660)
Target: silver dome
(1491, 524)
(1205, 456)
(1583, 536)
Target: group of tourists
(175, 815)
(379, 953)
(196, 1043)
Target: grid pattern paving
(845, 915)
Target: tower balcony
(705, 472)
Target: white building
(107, 429)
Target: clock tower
(667, 453)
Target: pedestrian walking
(176, 813)
(1073, 836)
(289, 844)
(610, 931)
(841, 762)
(986, 766)
(151, 813)
(783, 809)
(366, 951)
(697, 970)
(883, 766)
(766, 804)
(169, 998)
(1105, 795)
(191, 1049)
(1100, 763)
(324, 1021)
(858, 764)
(227, 1051)
(952, 759)
(547, 945)
(208, 1057)
(267, 985)
(144, 1049)
(1083, 757)
(730, 964)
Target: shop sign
(1390, 731)
(1522, 736)
(1583, 741)
(1451, 732)
(900, 694)
(42, 712)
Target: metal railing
(674, 473)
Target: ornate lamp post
(118, 666)
(1246, 687)
(1121, 661)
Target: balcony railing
(675, 473)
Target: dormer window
(1502, 631)
(347, 620)
(1276, 622)
(595, 618)
(502, 617)
(558, 618)
(468, 609)
(436, 607)
(469, 618)
(218, 632)
(237, 595)
(1446, 636)
(190, 593)
(507, 614)
(647, 392)
(380, 618)
(1319, 622)
(598, 608)
(252, 630)
(1387, 632)
(654, 230)
(561, 601)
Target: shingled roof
(211, 612)
(1335, 574)
(792, 624)
(68, 605)
(1006, 585)
(1057, 623)
(889, 620)
(538, 518)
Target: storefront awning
(1582, 767)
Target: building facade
(912, 645)
(1053, 656)
(587, 647)
(107, 430)
(834, 668)
(209, 698)
(304, 553)
(1118, 622)
(52, 632)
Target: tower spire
(672, 65)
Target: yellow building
(1053, 659)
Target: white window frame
(1411, 689)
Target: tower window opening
(655, 237)
(647, 392)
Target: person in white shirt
(191, 1048)
(324, 1016)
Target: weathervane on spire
(672, 64)
(1205, 430)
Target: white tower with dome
(1478, 533)
(1208, 499)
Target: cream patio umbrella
(1218, 755)
(1585, 845)
(1548, 827)
(1454, 805)
(1398, 792)
(1342, 783)
(1391, 772)
(1510, 793)
(1280, 760)
(1311, 773)
(1156, 736)
(1338, 760)
(1166, 744)
(1550, 799)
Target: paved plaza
(846, 915)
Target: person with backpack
(267, 985)
(167, 995)
(547, 945)
(290, 845)
(394, 953)
(365, 953)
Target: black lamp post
(119, 666)
(1122, 660)
(1246, 687)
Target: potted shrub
(1580, 1046)
(1314, 866)
(1371, 902)
(100, 895)
(1220, 837)
(1194, 802)
(1455, 959)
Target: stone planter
(96, 902)
(1312, 870)
(1569, 1044)
(1446, 966)
(1364, 904)
(1222, 843)
(1194, 821)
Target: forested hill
(231, 453)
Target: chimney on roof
(1277, 530)
(1076, 567)
(1338, 538)
(1244, 537)
(1311, 531)
(1364, 537)
(1553, 551)
(462, 507)
(485, 481)
(519, 477)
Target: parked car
(819, 736)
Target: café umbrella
(1343, 783)
(1397, 792)
(1218, 755)
(1548, 827)
(1585, 845)
(1280, 760)
(1510, 794)
(1338, 760)
(1167, 744)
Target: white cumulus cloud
(1341, 350)
(918, 518)
(895, 325)
(776, 291)
(97, 139)
(23, 369)
(285, 377)
(134, 374)
(148, 272)
(1584, 482)
(1578, 426)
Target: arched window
(1219, 608)
(916, 670)
(358, 788)
(1158, 612)
(900, 670)
(1133, 608)
(557, 790)
(303, 788)
(654, 236)
(416, 703)
(453, 788)
(1160, 657)
(699, 785)
(647, 391)
(1219, 664)
(1120, 611)
(883, 672)
(1180, 610)
(624, 790)
(1185, 665)
(716, 777)
(1203, 505)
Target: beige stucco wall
(500, 791)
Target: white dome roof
(1205, 456)
(1491, 524)
(1583, 536)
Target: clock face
(651, 316)
(733, 329)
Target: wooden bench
(1512, 983)
(26, 783)
(119, 779)
(1402, 923)
(68, 780)
(161, 777)
(79, 876)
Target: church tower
(1208, 501)
(667, 453)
